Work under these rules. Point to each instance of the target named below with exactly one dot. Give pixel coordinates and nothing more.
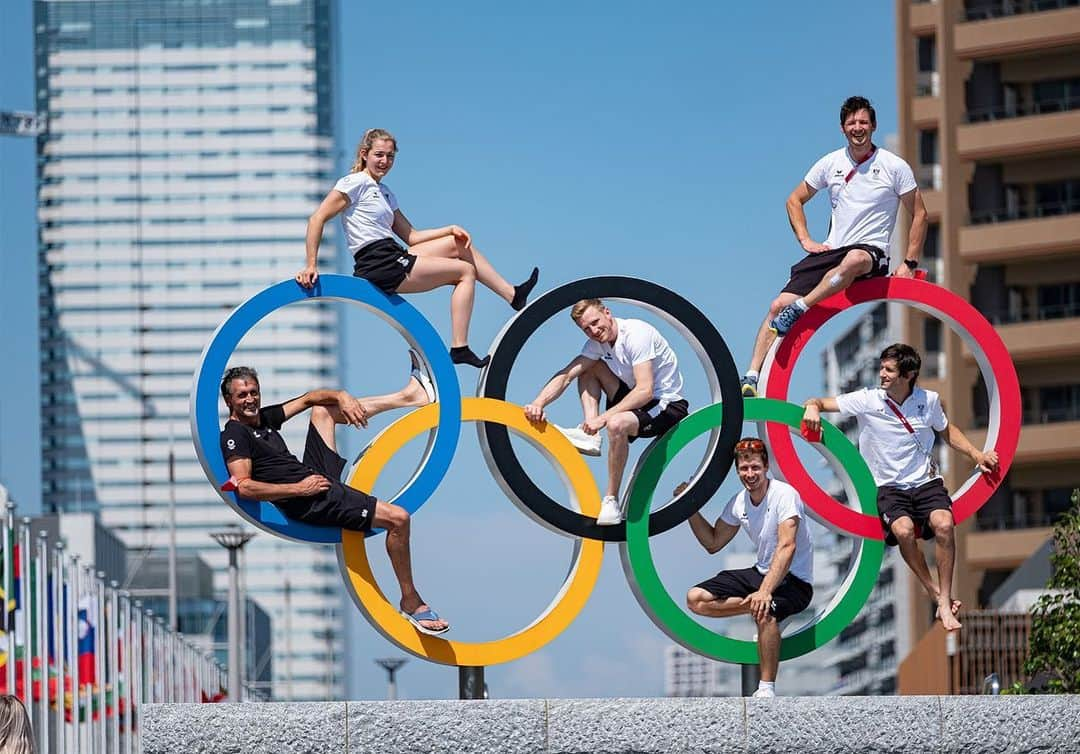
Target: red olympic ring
(995, 364)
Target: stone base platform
(612, 726)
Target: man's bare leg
(766, 336)
(620, 428)
(941, 521)
(768, 640)
(904, 530)
(703, 602)
(412, 394)
(855, 263)
(393, 518)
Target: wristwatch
(911, 263)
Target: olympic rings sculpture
(496, 418)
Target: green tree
(1053, 663)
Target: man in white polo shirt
(631, 363)
(866, 186)
(897, 426)
(780, 583)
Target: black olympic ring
(711, 350)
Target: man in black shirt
(311, 491)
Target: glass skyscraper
(187, 142)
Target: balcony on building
(1023, 208)
(1021, 107)
(997, 27)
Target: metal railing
(1021, 110)
(84, 656)
(1032, 313)
(1030, 212)
(1001, 8)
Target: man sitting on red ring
(631, 363)
(866, 187)
(262, 468)
(780, 583)
(897, 426)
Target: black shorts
(791, 596)
(384, 263)
(916, 503)
(810, 270)
(653, 421)
(340, 505)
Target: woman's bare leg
(432, 272)
(450, 247)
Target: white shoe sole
(417, 373)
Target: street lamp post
(233, 540)
(391, 665)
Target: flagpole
(73, 651)
(136, 670)
(126, 666)
(24, 601)
(101, 634)
(43, 636)
(9, 591)
(114, 645)
(57, 636)
(88, 683)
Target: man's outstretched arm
(240, 471)
(534, 410)
(812, 411)
(355, 414)
(986, 462)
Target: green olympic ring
(654, 598)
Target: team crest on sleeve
(231, 443)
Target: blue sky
(586, 138)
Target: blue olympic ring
(402, 316)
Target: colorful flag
(87, 627)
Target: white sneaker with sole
(610, 513)
(417, 373)
(586, 444)
(764, 693)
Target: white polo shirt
(761, 523)
(370, 214)
(864, 208)
(895, 457)
(635, 343)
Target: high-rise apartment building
(989, 117)
(187, 142)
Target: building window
(926, 77)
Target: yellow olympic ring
(573, 595)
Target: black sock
(521, 292)
(464, 355)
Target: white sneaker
(417, 373)
(610, 513)
(586, 444)
(764, 693)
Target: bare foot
(437, 625)
(948, 617)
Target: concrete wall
(610, 726)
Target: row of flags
(81, 654)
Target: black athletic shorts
(340, 505)
(384, 263)
(652, 420)
(791, 596)
(811, 269)
(917, 503)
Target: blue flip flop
(428, 614)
